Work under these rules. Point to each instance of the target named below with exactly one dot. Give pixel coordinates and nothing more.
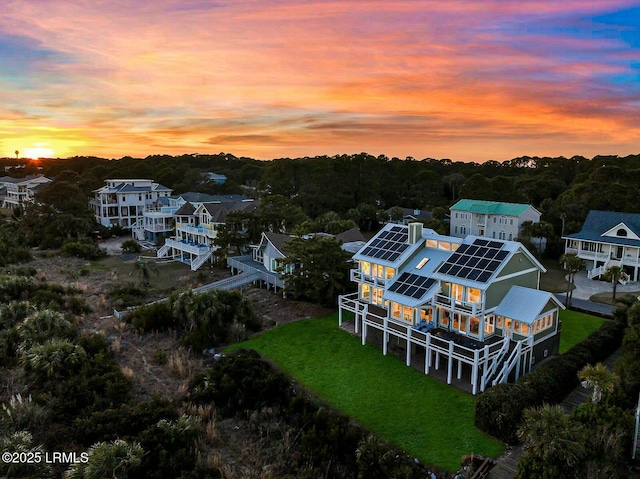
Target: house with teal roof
(490, 219)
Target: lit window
(524, 328)
(499, 322)
(422, 262)
(456, 291)
(473, 295)
(426, 314)
(488, 326)
(389, 272)
(432, 243)
(365, 292)
(365, 266)
(408, 314)
(445, 245)
(444, 318)
(395, 310)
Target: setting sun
(38, 152)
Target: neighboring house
(466, 307)
(216, 178)
(196, 228)
(409, 215)
(491, 219)
(608, 239)
(123, 201)
(20, 191)
(266, 257)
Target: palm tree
(547, 433)
(615, 274)
(572, 264)
(145, 268)
(599, 378)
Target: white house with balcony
(196, 228)
(490, 219)
(467, 309)
(123, 201)
(607, 239)
(20, 191)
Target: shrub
(130, 246)
(85, 249)
(499, 409)
(153, 317)
(127, 294)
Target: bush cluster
(85, 249)
(499, 409)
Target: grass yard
(554, 279)
(575, 327)
(426, 418)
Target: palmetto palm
(547, 433)
(52, 359)
(615, 274)
(599, 378)
(108, 459)
(145, 268)
(572, 264)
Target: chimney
(415, 232)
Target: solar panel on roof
(475, 262)
(388, 245)
(412, 285)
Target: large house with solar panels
(608, 239)
(491, 219)
(466, 310)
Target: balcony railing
(359, 277)
(586, 254)
(196, 230)
(157, 228)
(187, 247)
(473, 308)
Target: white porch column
(474, 373)
(340, 311)
(385, 337)
(459, 369)
(450, 362)
(427, 354)
(364, 333)
(437, 365)
(358, 313)
(409, 346)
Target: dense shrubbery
(203, 319)
(42, 294)
(85, 249)
(127, 294)
(499, 409)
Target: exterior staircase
(491, 370)
(200, 259)
(512, 360)
(162, 252)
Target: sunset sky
(466, 80)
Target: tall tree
(316, 269)
(572, 264)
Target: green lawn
(426, 418)
(575, 327)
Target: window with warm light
(507, 323)
(408, 314)
(389, 272)
(377, 270)
(365, 267)
(444, 318)
(474, 325)
(445, 245)
(488, 325)
(395, 310)
(524, 328)
(432, 243)
(457, 291)
(365, 291)
(426, 314)
(473, 295)
(500, 325)
(377, 295)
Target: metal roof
(525, 304)
(492, 207)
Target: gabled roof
(492, 207)
(525, 304)
(599, 222)
(277, 240)
(186, 209)
(389, 247)
(218, 211)
(350, 236)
